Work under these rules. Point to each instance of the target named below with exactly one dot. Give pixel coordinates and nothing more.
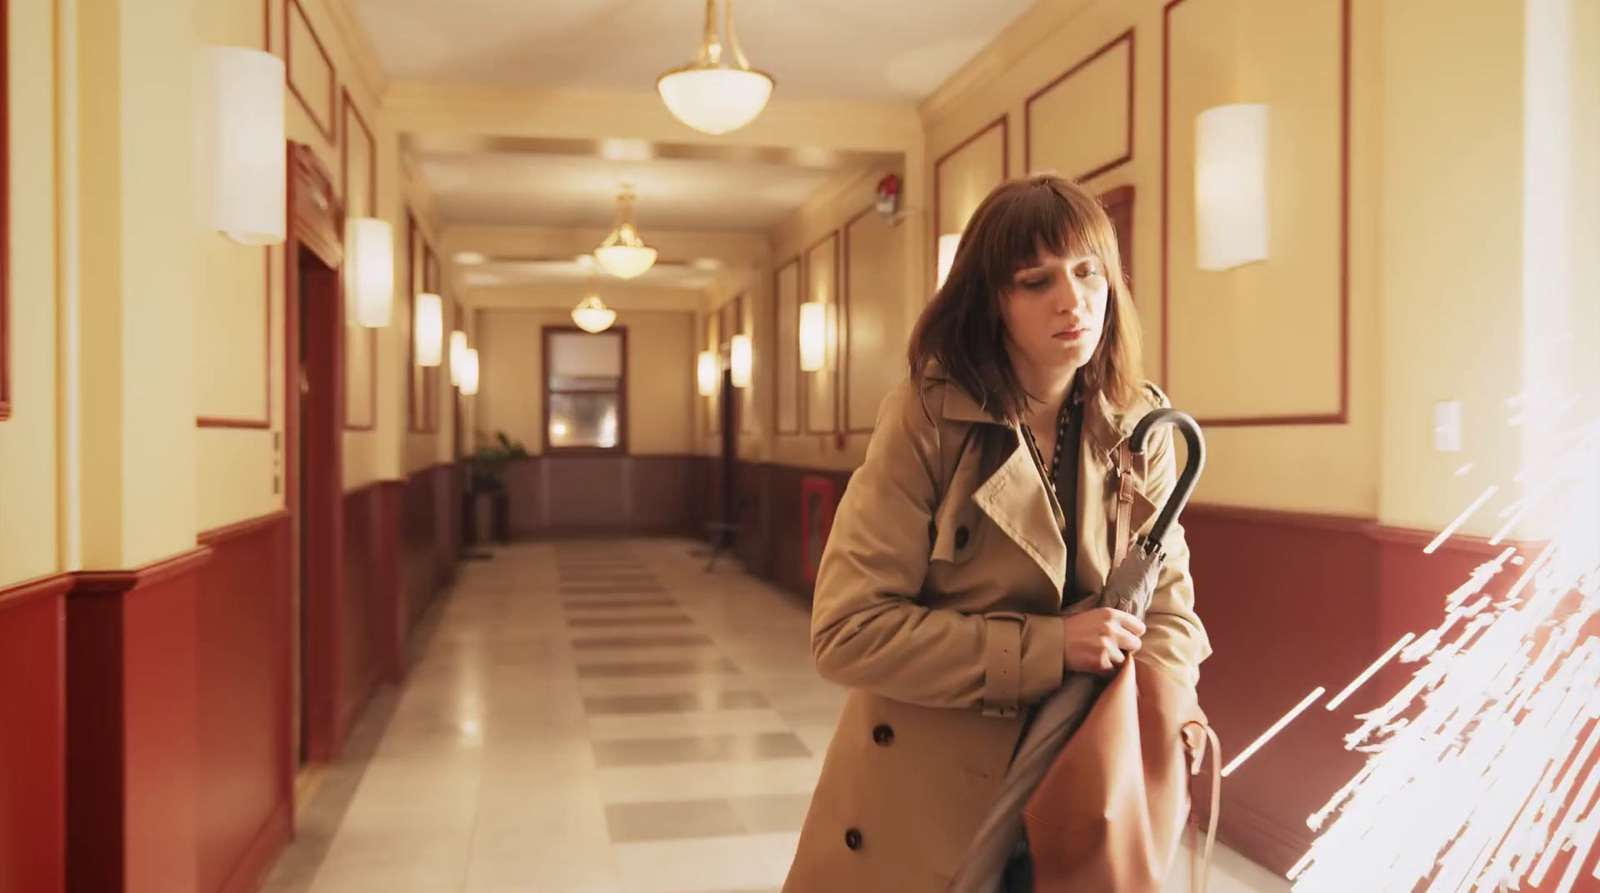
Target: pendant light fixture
(623, 254)
(718, 92)
(592, 315)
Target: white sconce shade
(706, 373)
(369, 254)
(429, 330)
(1230, 186)
(458, 356)
(245, 146)
(469, 372)
(740, 359)
(947, 255)
(813, 336)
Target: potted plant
(490, 498)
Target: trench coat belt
(1002, 674)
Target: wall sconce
(1230, 186)
(244, 137)
(947, 255)
(429, 330)
(815, 334)
(469, 372)
(369, 252)
(458, 356)
(707, 371)
(741, 361)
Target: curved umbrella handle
(1191, 470)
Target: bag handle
(1200, 859)
(1122, 534)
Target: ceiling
(853, 50)
(894, 50)
(529, 189)
(576, 272)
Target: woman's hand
(1098, 640)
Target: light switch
(1447, 426)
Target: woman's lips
(1071, 334)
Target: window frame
(621, 449)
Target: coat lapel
(1016, 501)
(1013, 496)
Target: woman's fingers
(1125, 639)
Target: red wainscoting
(364, 614)
(561, 496)
(420, 558)
(244, 673)
(395, 627)
(446, 522)
(33, 794)
(1292, 602)
(132, 754)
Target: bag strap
(1122, 534)
(1200, 859)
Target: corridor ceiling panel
(894, 50)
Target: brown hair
(961, 329)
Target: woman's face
(1055, 312)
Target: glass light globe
(592, 315)
(715, 100)
(626, 261)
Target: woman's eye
(1086, 271)
(1036, 283)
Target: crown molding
(454, 109)
(1031, 29)
(563, 298)
(829, 205)
(360, 48)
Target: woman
(980, 518)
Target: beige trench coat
(938, 603)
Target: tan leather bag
(1108, 814)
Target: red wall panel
(245, 767)
(132, 698)
(33, 740)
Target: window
(585, 390)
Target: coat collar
(1019, 502)
(1104, 427)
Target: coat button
(883, 735)
(852, 839)
(961, 537)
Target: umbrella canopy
(1129, 588)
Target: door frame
(315, 224)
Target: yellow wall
(236, 467)
(1223, 51)
(28, 441)
(867, 285)
(1453, 258)
(660, 377)
(132, 409)
(424, 449)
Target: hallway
(591, 717)
(584, 717)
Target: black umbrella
(1129, 588)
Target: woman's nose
(1074, 297)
